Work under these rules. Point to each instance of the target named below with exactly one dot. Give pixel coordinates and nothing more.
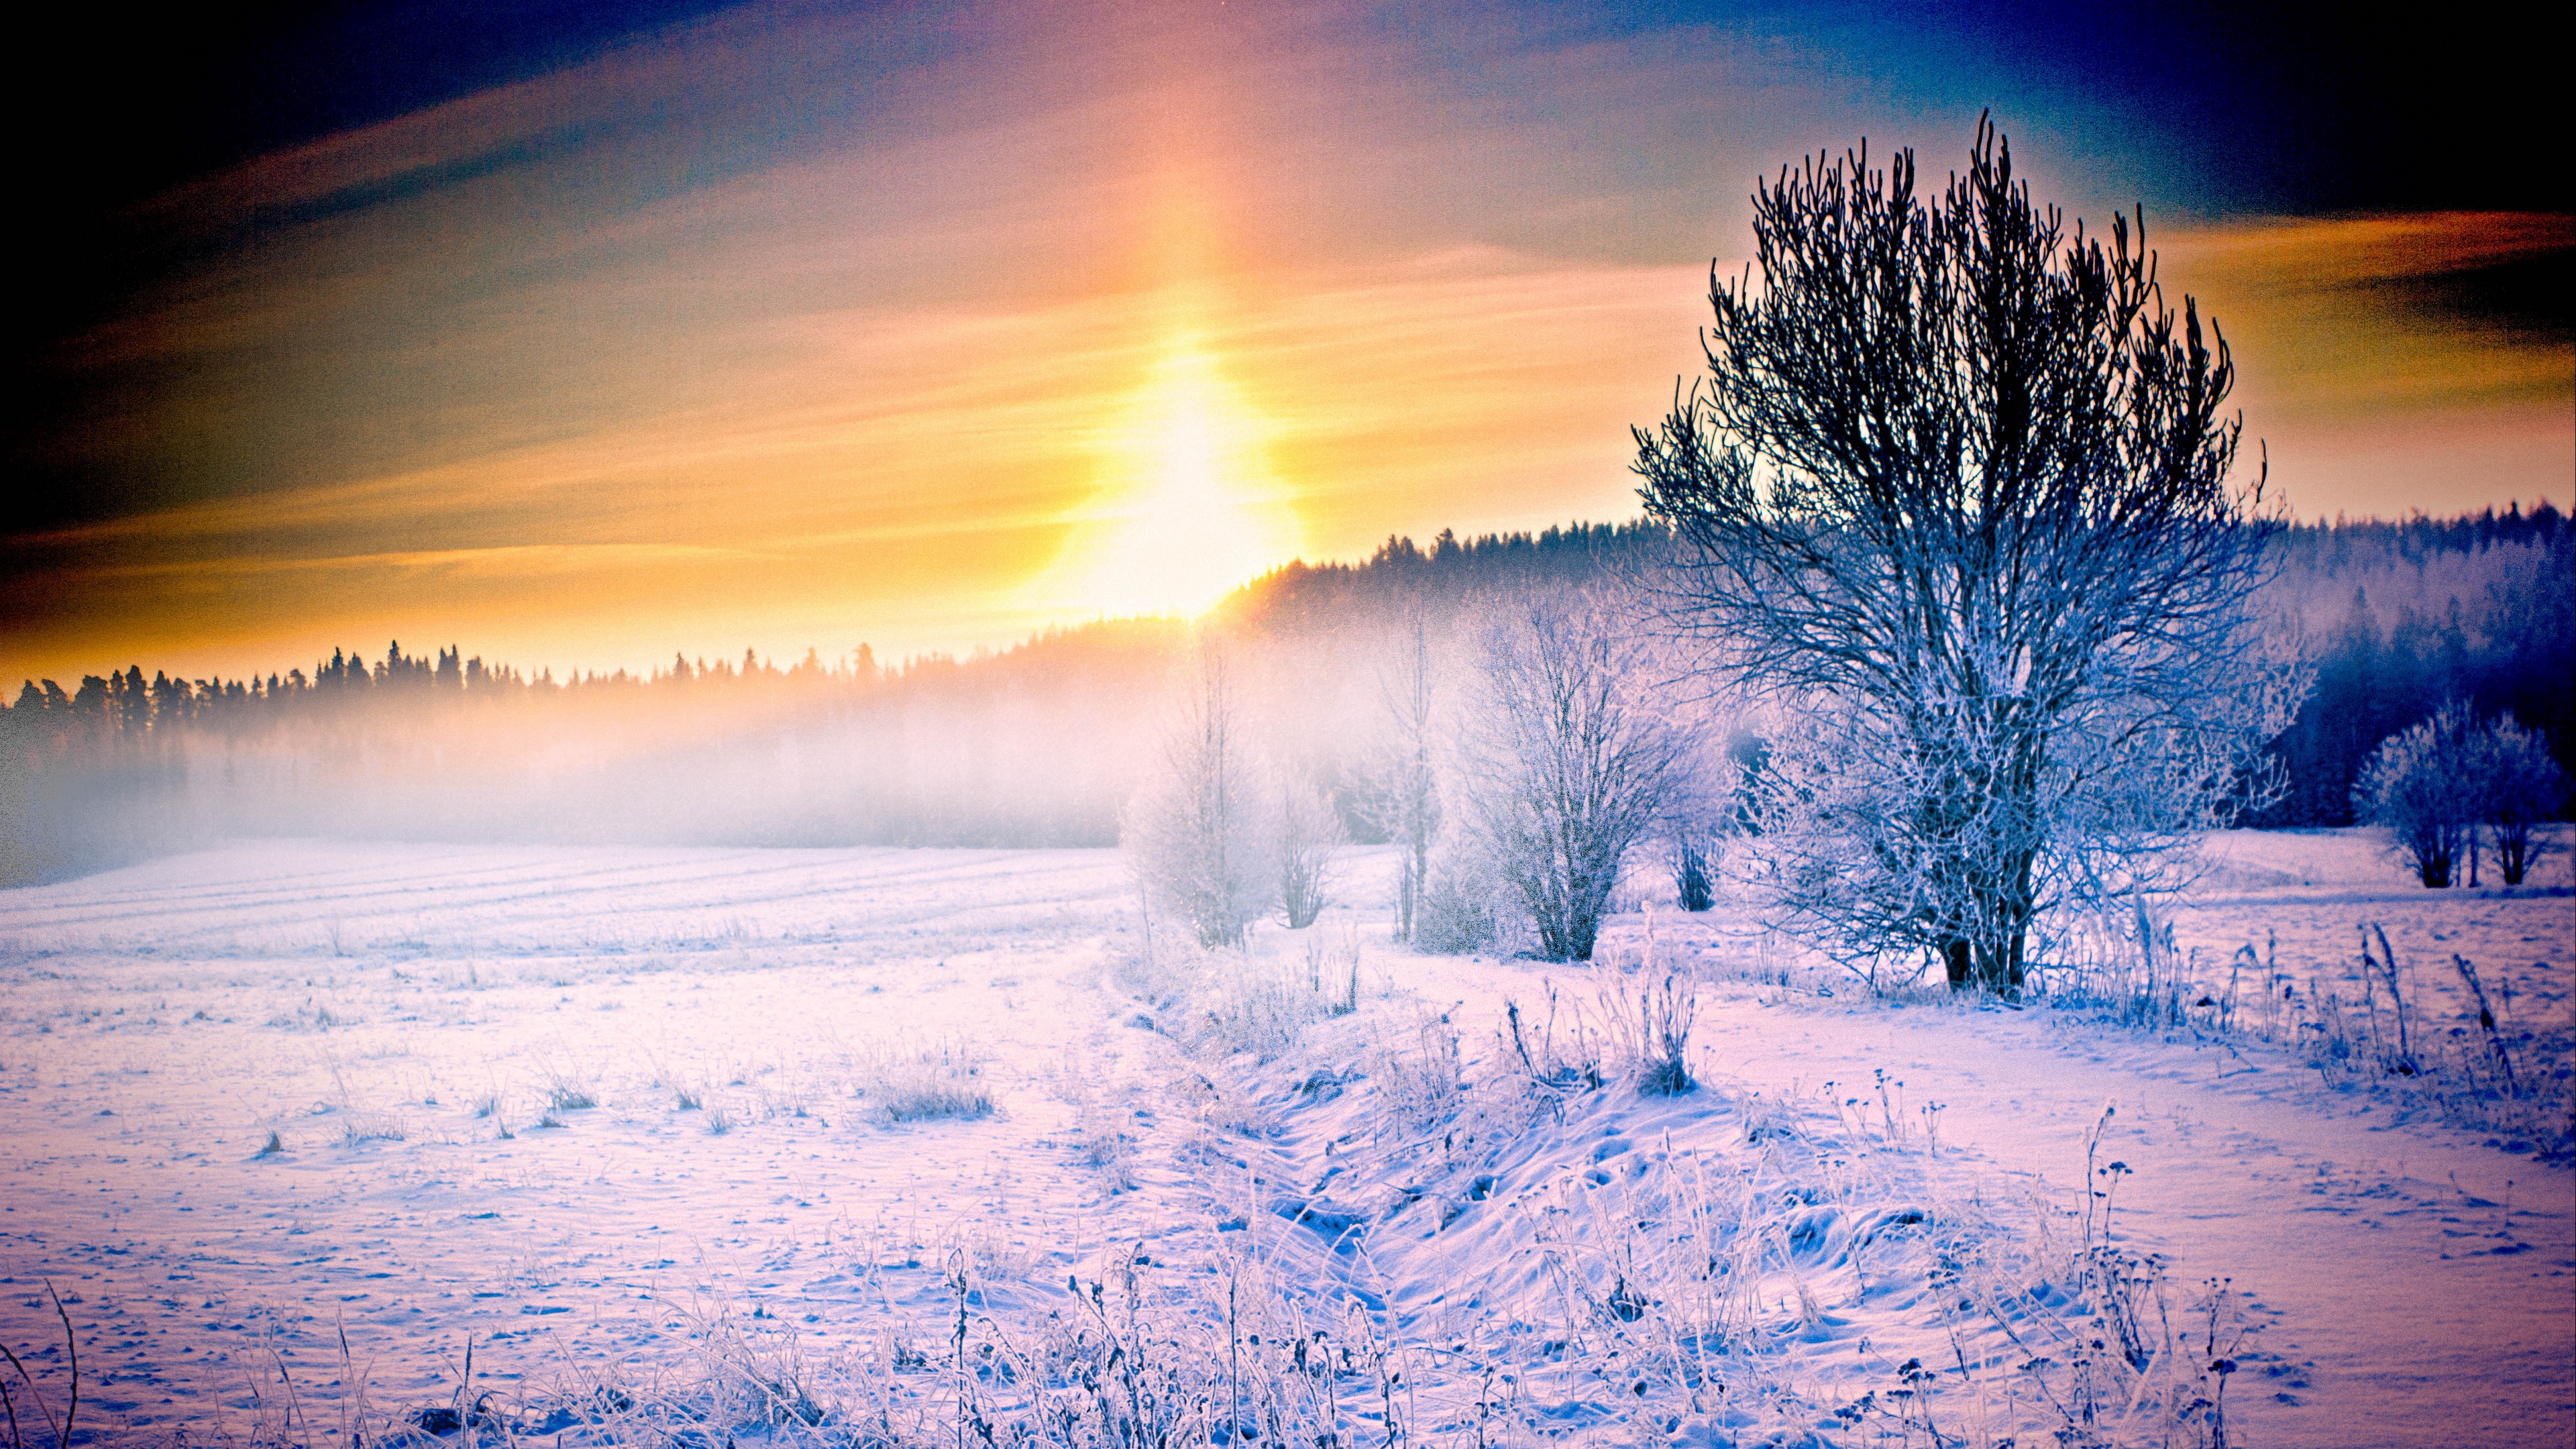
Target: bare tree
(1195, 832)
(1954, 496)
(1406, 799)
(1310, 834)
(1567, 762)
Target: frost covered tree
(1309, 836)
(1954, 496)
(2422, 787)
(1196, 832)
(1567, 759)
(1405, 796)
(2520, 785)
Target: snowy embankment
(793, 1142)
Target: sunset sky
(581, 335)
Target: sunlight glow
(1189, 510)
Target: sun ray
(1188, 508)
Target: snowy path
(2404, 1311)
(2388, 1306)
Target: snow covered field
(796, 1141)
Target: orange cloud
(801, 327)
(2374, 391)
(909, 476)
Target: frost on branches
(1953, 498)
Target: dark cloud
(114, 107)
(2215, 107)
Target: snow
(1854, 1163)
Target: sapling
(1195, 834)
(1568, 760)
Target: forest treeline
(1042, 744)
(2400, 618)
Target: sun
(1189, 510)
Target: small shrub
(1310, 833)
(567, 1093)
(1456, 914)
(1691, 883)
(919, 1082)
(1567, 757)
(1195, 831)
(1253, 1005)
(1333, 973)
(687, 1095)
(1162, 974)
(1106, 1144)
(369, 1127)
(1559, 1055)
(1418, 1088)
(1652, 1031)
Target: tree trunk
(2000, 963)
(2513, 851)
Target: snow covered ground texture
(698, 1145)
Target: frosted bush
(913, 1081)
(2421, 788)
